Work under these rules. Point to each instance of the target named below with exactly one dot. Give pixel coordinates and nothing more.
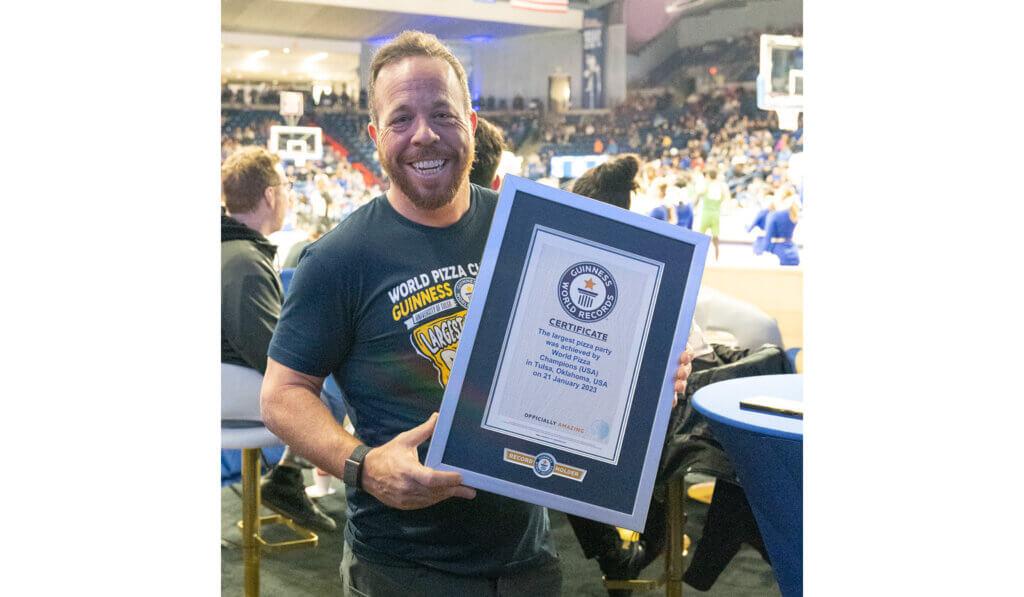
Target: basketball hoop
(789, 118)
(297, 143)
(780, 78)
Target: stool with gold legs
(242, 429)
(250, 440)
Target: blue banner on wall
(593, 59)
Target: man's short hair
(489, 145)
(245, 175)
(610, 182)
(413, 43)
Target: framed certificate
(562, 385)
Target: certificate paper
(562, 385)
(575, 339)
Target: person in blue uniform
(760, 222)
(680, 214)
(778, 232)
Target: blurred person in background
(710, 201)
(489, 144)
(674, 209)
(779, 226)
(665, 209)
(256, 196)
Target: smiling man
(379, 303)
(424, 134)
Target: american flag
(542, 5)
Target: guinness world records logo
(544, 465)
(587, 291)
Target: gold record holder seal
(544, 465)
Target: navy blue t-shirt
(379, 302)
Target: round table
(767, 451)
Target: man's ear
(372, 130)
(472, 120)
(496, 183)
(268, 196)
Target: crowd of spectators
(649, 124)
(240, 129)
(327, 191)
(678, 138)
(517, 128)
(269, 94)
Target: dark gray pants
(367, 579)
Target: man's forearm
(297, 416)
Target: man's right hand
(393, 474)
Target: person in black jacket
(256, 196)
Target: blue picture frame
(603, 470)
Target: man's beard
(395, 169)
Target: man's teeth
(426, 165)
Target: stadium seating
(349, 129)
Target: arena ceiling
(302, 40)
(321, 39)
(362, 20)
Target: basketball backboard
(780, 80)
(297, 143)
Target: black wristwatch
(354, 467)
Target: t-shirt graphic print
(424, 304)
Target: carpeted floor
(314, 572)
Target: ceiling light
(260, 54)
(681, 5)
(317, 57)
(287, 50)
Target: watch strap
(354, 465)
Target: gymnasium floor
(314, 572)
